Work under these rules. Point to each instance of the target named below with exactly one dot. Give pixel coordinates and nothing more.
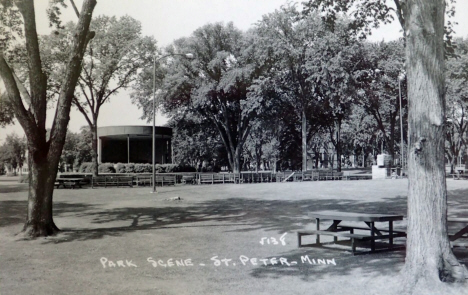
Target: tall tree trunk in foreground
(44, 154)
(94, 152)
(304, 140)
(429, 257)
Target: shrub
(130, 168)
(120, 168)
(106, 168)
(86, 167)
(143, 168)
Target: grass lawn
(133, 228)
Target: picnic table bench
(68, 182)
(459, 175)
(462, 233)
(371, 232)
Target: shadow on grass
(242, 214)
(15, 212)
(308, 266)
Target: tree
(429, 257)
(333, 61)
(214, 86)
(196, 142)
(77, 149)
(378, 88)
(112, 62)
(285, 39)
(44, 154)
(13, 152)
(6, 112)
(457, 103)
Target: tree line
(291, 87)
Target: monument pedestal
(379, 172)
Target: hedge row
(134, 168)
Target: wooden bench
(352, 236)
(356, 176)
(142, 180)
(330, 175)
(341, 233)
(216, 178)
(459, 176)
(166, 179)
(111, 181)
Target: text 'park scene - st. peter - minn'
(234, 147)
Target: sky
(168, 20)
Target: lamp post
(153, 150)
(401, 77)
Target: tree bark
(94, 150)
(429, 257)
(304, 140)
(42, 175)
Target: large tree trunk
(94, 152)
(304, 140)
(338, 146)
(236, 165)
(42, 176)
(429, 257)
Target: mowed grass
(132, 227)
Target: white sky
(168, 20)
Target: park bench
(356, 176)
(111, 181)
(328, 175)
(459, 238)
(143, 180)
(459, 176)
(166, 179)
(216, 178)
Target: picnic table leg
(390, 233)
(317, 226)
(372, 235)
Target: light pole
(401, 77)
(153, 150)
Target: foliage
(112, 61)
(213, 86)
(379, 79)
(77, 149)
(13, 152)
(106, 168)
(457, 102)
(86, 167)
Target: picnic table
(68, 182)
(455, 239)
(368, 232)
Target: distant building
(133, 144)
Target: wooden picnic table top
(353, 216)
